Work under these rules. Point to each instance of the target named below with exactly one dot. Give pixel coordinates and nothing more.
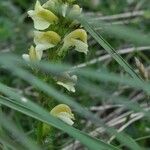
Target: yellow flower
(63, 112)
(50, 4)
(67, 81)
(33, 55)
(75, 10)
(42, 17)
(54, 4)
(46, 40)
(77, 38)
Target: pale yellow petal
(76, 10)
(64, 9)
(67, 81)
(50, 4)
(61, 108)
(46, 40)
(77, 38)
(33, 55)
(41, 47)
(80, 46)
(40, 23)
(66, 117)
(69, 86)
(39, 54)
(26, 57)
(77, 34)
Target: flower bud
(33, 55)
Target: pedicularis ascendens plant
(56, 32)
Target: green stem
(40, 133)
(62, 53)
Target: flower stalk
(55, 34)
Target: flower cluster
(56, 32)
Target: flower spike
(42, 18)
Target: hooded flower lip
(46, 40)
(33, 55)
(77, 38)
(67, 82)
(42, 17)
(63, 112)
(51, 4)
(76, 10)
